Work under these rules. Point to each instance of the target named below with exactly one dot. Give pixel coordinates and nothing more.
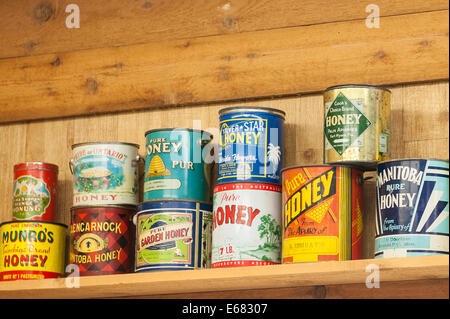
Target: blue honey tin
(412, 208)
(250, 145)
(178, 165)
(173, 235)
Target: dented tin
(35, 191)
(178, 165)
(322, 213)
(250, 145)
(32, 250)
(412, 208)
(246, 225)
(173, 235)
(102, 239)
(357, 125)
(105, 173)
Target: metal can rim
(124, 206)
(116, 143)
(177, 129)
(173, 200)
(43, 166)
(247, 182)
(414, 159)
(324, 165)
(354, 85)
(263, 109)
(34, 222)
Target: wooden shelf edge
(226, 279)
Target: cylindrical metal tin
(35, 191)
(246, 225)
(357, 125)
(105, 173)
(32, 250)
(412, 208)
(102, 239)
(178, 165)
(173, 235)
(322, 213)
(250, 145)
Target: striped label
(322, 214)
(412, 208)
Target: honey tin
(250, 145)
(322, 213)
(178, 165)
(105, 173)
(412, 208)
(35, 191)
(246, 225)
(173, 235)
(357, 125)
(32, 250)
(102, 239)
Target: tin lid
(413, 159)
(367, 86)
(99, 143)
(324, 165)
(32, 222)
(178, 129)
(127, 207)
(252, 109)
(36, 165)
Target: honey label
(31, 197)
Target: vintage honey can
(102, 239)
(35, 191)
(173, 235)
(322, 213)
(412, 208)
(246, 225)
(32, 250)
(357, 125)
(250, 145)
(105, 173)
(178, 165)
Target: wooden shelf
(416, 277)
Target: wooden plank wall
(200, 56)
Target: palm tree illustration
(274, 156)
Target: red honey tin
(102, 239)
(35, 191)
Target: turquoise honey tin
(178, 165)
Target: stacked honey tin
(247, 197)
(105, 196)
(173, 223)
(33, 244)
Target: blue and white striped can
(412, 208)
(173, 235)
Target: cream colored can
(357, 125)
(105, 173)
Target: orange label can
(322, 213)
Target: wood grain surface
(277, 62)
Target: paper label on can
(246, 225)
(173, 239)
(105, 174)
(344, 123)
(412, 208)
(31, 251)
(322, 214)
(31, 197)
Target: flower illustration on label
(31, 197)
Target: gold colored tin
(357, 125)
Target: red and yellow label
(322, 213)
(31, 250)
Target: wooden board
(277, 62)
(25, 25)
(239, 278)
